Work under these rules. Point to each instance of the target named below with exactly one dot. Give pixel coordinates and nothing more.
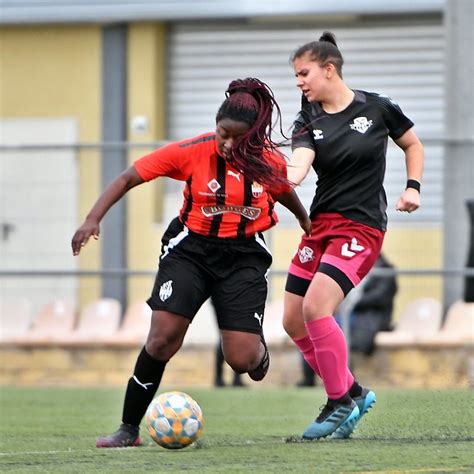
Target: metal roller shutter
(402, 60)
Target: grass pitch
(246, 430)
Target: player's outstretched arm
(114, 191)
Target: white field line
(70, 450)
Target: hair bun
(329, 37)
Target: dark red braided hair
(252, 101)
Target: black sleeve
(302, 135)
(396, 121)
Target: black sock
(355, 390)
(219, 364)
(344, 400)
(142, 387)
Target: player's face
(228, 131)
(311, 78)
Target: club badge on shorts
(166, 290)
(305, 255)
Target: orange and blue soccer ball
(174, 420)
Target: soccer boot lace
(261, 370)
(330, 419)
(365, 402)
(125, 436)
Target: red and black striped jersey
(218, 200)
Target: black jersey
(350, 149)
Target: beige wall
(415, 248)
(54, 71)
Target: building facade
(92, 72)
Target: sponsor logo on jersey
(213, 185)
(257, 189)
(251, 213)
(305, 255)
(166, 290)
(361, 124)
(349, 250)
(318, 134)
(234, 175)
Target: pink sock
(331, 354)
(307, 350)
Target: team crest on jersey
(257, 189)
(213, 185)
(305, 255)
(166, 290)
(361, 124)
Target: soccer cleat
(125, 436)
(330, 419)
(261, 370)
(365, 402)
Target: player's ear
(330, 70)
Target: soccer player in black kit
(215, 248)
(342, 134)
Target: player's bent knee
(162, 348)
(288, 326)
(242, 364)
(294, 326)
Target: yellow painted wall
(146, 97)
(55, 71)
(406, 247)
(415, 248)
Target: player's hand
(89, 229)
(306, 225)
(409, 201)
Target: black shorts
(232, 272)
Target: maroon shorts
(339, 247)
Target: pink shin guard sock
(307, 350)
(331, 355)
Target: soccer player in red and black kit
(215, 247)
(342, 134)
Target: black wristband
(413, 183)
